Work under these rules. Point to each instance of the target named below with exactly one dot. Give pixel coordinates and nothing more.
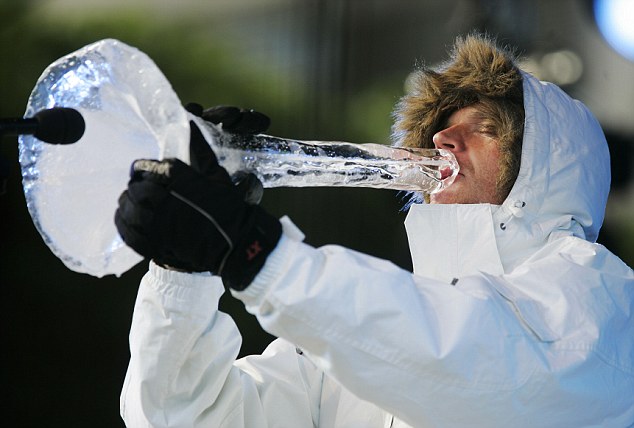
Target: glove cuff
(248, 257)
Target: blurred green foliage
(200, 68)
(204, 61)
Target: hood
(564, 178)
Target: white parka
(513, 316)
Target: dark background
(322, 70)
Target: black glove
(233, 119)
(194, 218)
(238, 121)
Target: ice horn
(131, 112)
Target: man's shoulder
(572, 250)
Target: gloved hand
(233, 119)
(237, 121)
(194, 218)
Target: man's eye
(487, 130)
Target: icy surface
(71, 191)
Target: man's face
(478, 156)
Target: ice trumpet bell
(131, 112)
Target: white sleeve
(183, 372)
(415, 347)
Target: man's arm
(486, 352)
(182, 369)
(416, 347)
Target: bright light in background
(615, 19)
(563, 67)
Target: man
(513, 315)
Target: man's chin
(451, 195)
(455, 194)
(444, 197)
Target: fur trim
(477, 68)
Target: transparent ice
(132, 112)
(280, 162)
(72, 190)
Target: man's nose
(448, 139)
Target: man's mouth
(445, 172)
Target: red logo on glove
(253, 250)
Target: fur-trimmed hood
(564, 177)
(476, 69)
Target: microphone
(57, 125)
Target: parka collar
(451, 241)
